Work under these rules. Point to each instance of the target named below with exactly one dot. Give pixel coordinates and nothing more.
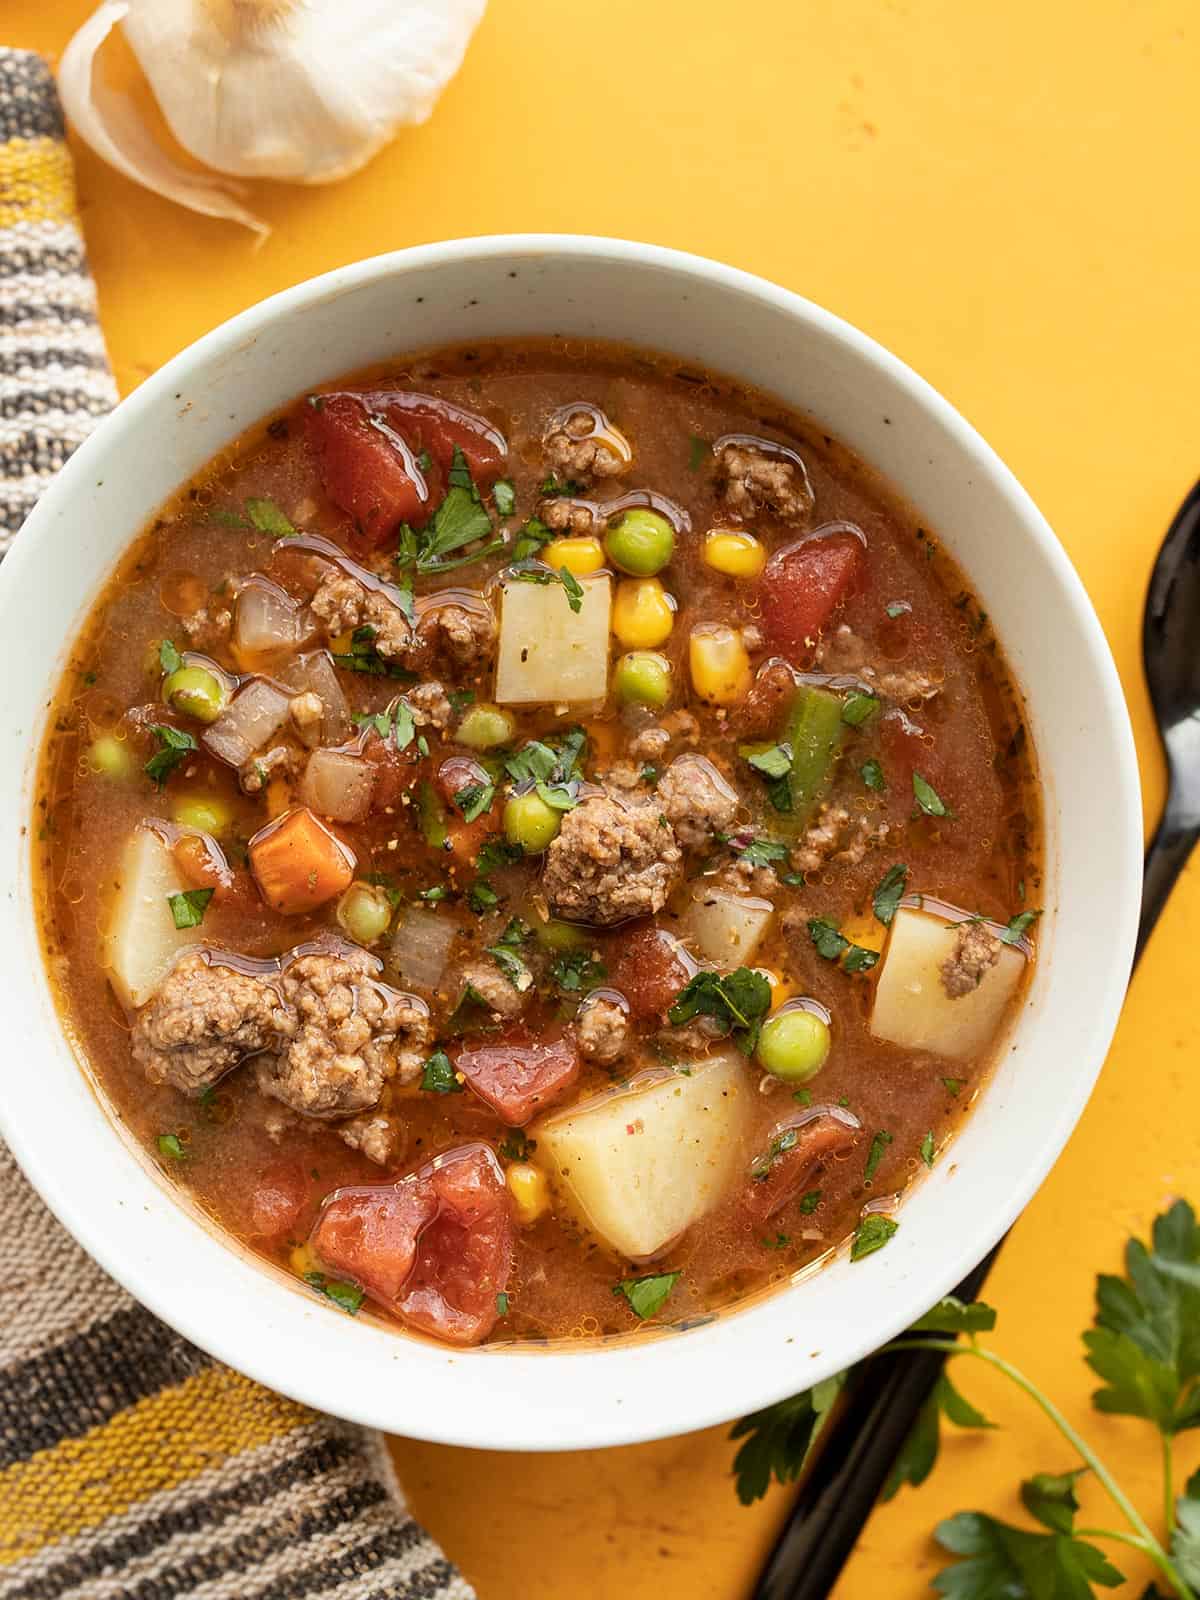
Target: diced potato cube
(725, 928)
(548, 652)
(640, 1164)
(141, 940)
(912, 1007)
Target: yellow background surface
(1004, 194)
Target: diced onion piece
(549, 653)
(912, 1008)
(267, 622)
(338, 785)
(420, 951)
(316, 673)
(725, 928)
(254, 715)
(641, 1164)
(141, 940)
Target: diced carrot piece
(299, 864)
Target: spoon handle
(1166, 858)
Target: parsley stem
(1101, 1473)
(1168, 1455)
(1131, 1539)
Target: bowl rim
(745, 1386)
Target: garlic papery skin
(302, 90)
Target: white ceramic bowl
(251, 1317)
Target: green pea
(485, 727)
(530, 822)
(365, 912)
(641, 542)
(110, 757)
(643, 677)
(209, 813)
(562, 936)
(793, 1045)
(195, 692)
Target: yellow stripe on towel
(155, 1445)
(36, 182)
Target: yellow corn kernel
(865, 932)
(643, 613)
(530, 1191)
(343, 645)
(581, 555)
(303, 1260)
(781, 988)
(720, 666)
(737, 555)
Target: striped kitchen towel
(132, 1466)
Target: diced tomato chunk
(906, 748)
(367, 469)
(802, 586)
(277, 1200)
(458, 773)
(650, 971)
(779, 1174)
(428, 423)
(396, 771)
(520, 1076)
(435, 1248)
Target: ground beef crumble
(697, 801)
(753, 481)
(493, 987)
(602, 1029)
(203, 1021)
(577, 448)
(342, 604)
(612, 860)
(976, 951)
(845, 652)
(837, 835)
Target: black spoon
(886, 1394)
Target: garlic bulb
(306, 90)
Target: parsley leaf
(872, 775)
(169, 658)
(889, 892)
(396, 723)
(1018, 926)
(531, 571)
(857, 707)
(502, 1304)
(347, 1296)
(573, 587)
(698, 448)
(774, 762)
(879, 1147)
(952, 1315)
(497, 852)
(739, 1002)
(482, 897)
(551, 489)
(872, 1234)
(170, 1145)
(779, 1439)
(954, 1086)
(533, 535)
(517, 1146)
(646, 1296)
(511, 965)
(362, 656)
(1145, 1344)
(188, 907)
(576, 972)
(438, 1075)
(919, 1452)
(175, 745)
(266, 516)
(809, 1202)
(1008, 1562)
(928, 1150)
(928, 799)
(834, 946)
(1185, 1540)
(474, 799)
(504, 497)
(761, 852)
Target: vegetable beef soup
(539, 842)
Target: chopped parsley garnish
(266, 516)
(928, 1151)
(802, 1097)
(833, 945)
(533, 535)
(872, 1234)
(511, 965)
(395, 723)
(347, 1297)
(381, 880)
(459, 521)
(698, 448)
(779, 1146)
(502, 1304)
(954, 1086)
(773, 763)
(497, 852)
(530, 571)
(188, 907)
(879, 1148)
(551, 489)
(474, 799)
(889, 892)
(362, 656)
(504, 496)
(170, 1146)
(779, 1242)
(576, 972)
(759, 852)
(649, 776)
(433, 894)
(175, 745)
(482, 897)
(425, 461)
(515, 1146)
(872, 775)
(857, 707)
(169, 658)
(648, 1295)
(460, 699)
(809, 1202)
(556, 773)
(1018, 927)
(738, 1001)
(928, 799)
(438, 1076)
(897, 608)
